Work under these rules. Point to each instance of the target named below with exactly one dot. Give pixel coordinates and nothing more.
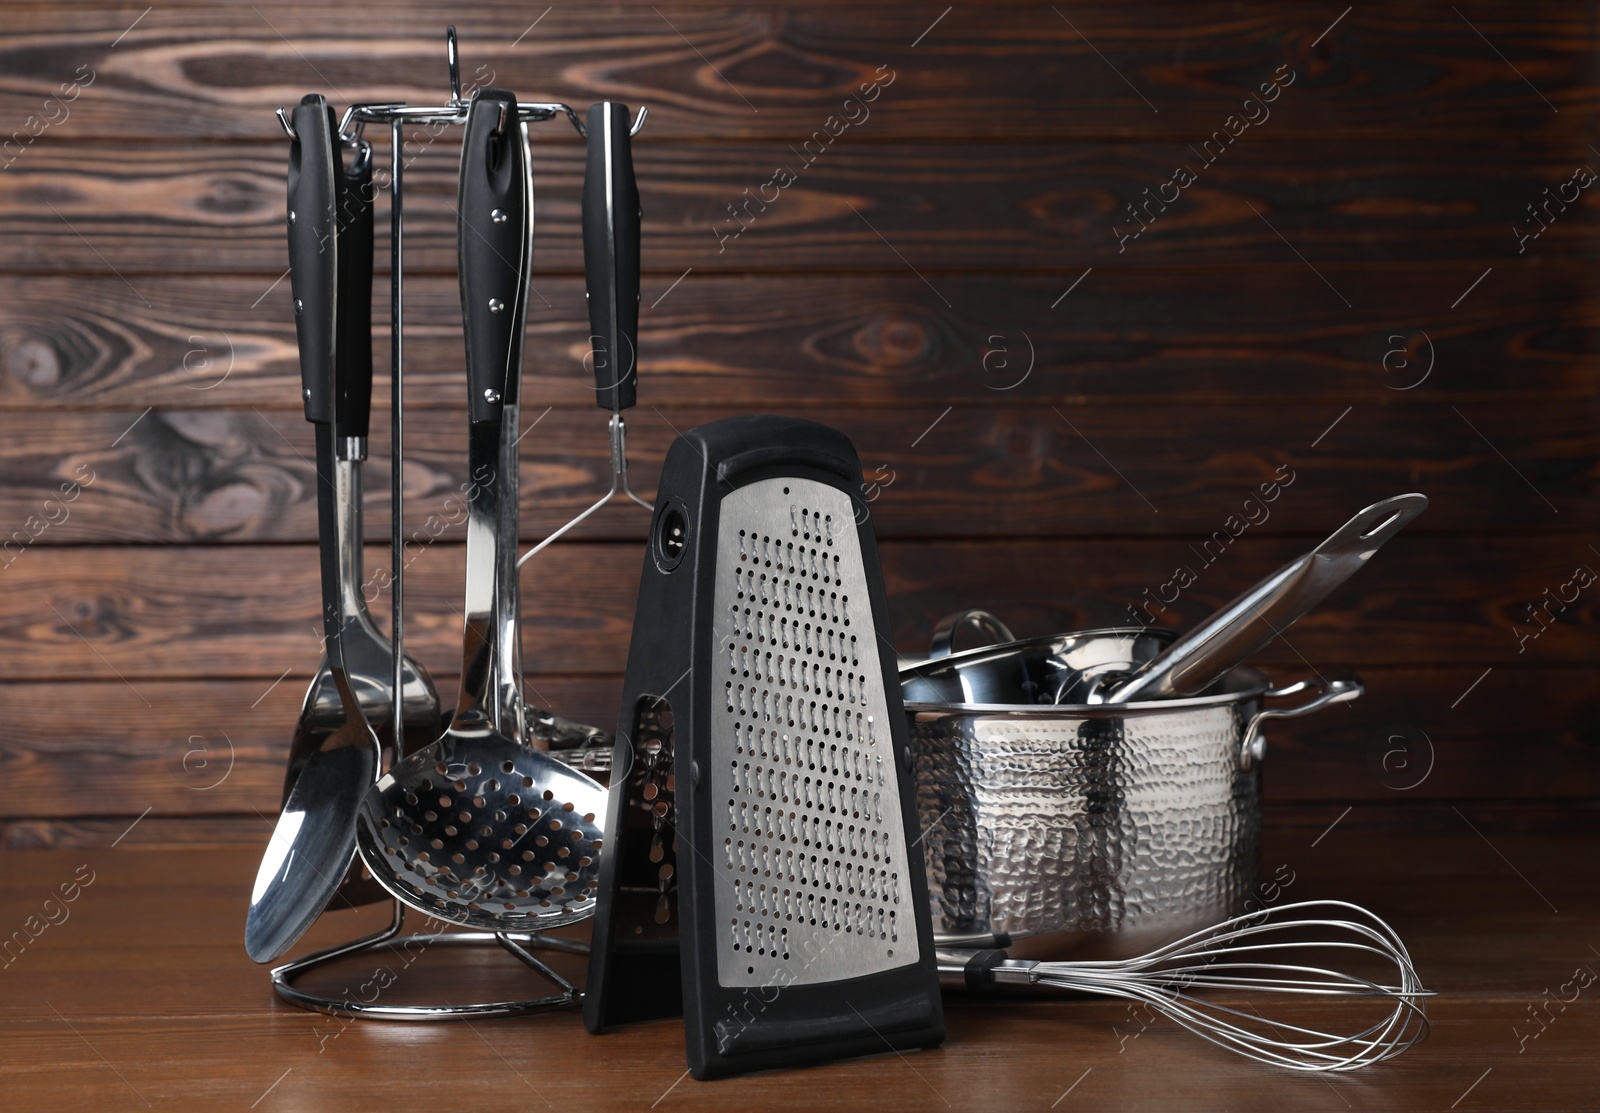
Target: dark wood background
(154, 646)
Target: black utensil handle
(494, 250)
(313, 245)
(353, 354)
(611, 219)
(978, 972)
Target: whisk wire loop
(1223, 958)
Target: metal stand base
(521, 945)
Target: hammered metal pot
(1080, 829)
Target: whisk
(1225, 957)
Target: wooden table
(140, 995)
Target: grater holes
(806, 846)
(810, 525)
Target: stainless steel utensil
(611, 228)
(611, 219)
(368, 654)
(1191, 664)
(311, 844)
(1225, 957)
(479, 828)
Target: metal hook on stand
(452, 55)
(453, 111)
(363, 155)
(635, 129)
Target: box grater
(757, 876)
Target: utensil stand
(390, 938)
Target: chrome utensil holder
(521, 945)
(390, 938)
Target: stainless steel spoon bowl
(368, 658)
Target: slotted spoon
(478, 828)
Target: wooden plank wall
(1055, 412)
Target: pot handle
(1336, 687)
(945, 630)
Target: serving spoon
(314, 838)
(368, 654)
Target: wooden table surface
(139, 995)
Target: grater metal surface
(812, 874)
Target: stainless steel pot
(1075, 827)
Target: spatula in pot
(1199, 658)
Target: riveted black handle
(353, 327)
(495, 250)
(313, 250)
(611, 255)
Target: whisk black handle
(972, 970)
